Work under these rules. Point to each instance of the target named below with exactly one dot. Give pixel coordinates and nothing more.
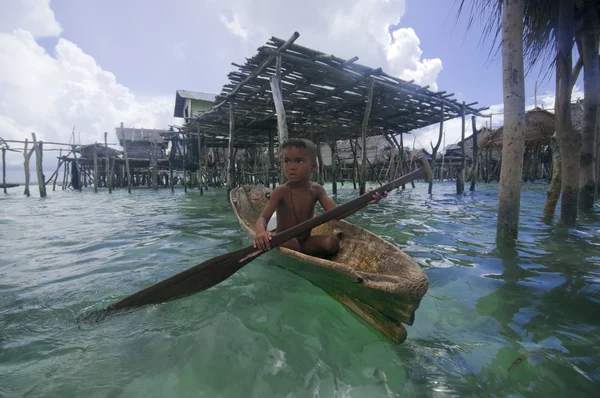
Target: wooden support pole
(95, 168)
(321, 178)
(127, 169)
(4, 169)
(55, 174)
(282, 130)
(354, 164)
(332, 146)
(171, 176)
(271, 159)
(108, 164)
(201, 180)
(39, 150)
(183, 172)
(200, 142)
(434, 149)
(363, 169)
(475, 165)
(460, 182)
(230, 157)
(154, 164)
(65, 174)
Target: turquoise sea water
(267, 332)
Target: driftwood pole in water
(39, 148)
(475, 165)
(127, 169)
(363, 166)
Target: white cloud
(345, 28)
(35, 16)
(404, 59)
(178, 52)
(234, 26)
(49, 95)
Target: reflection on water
(495, 322)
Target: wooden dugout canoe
(373, 278)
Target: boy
(295, 202)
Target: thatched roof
(324, 97)
(539, 127)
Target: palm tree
(548, 25)
(513, 143)
(587, 44)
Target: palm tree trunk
(589, 41)
(555, 184)
(569, 141)
(514, 120)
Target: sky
(86, 66)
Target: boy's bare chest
(299, 203)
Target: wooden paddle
(217, 269)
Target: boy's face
(297, 164)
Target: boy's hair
(302, 143)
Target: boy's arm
(262, 236)
(327, 203)
(267, 213)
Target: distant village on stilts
(358, 117)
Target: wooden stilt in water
(271, 159)
(231, 156)
(354, 163)
(39, 148)
(108, 176)
(363, 168)
(154, 164)
(460, 187)
(127, 169)
(183, 173)
(65, 176)
(282, 130)
(434, 150)
(171, 176)
(200, 141)
(95, 168)
(4, 169)
(55, 175)
(332, 146)
(475, 166)
(321, 178)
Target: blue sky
(92, 64)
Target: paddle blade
(193, 280)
